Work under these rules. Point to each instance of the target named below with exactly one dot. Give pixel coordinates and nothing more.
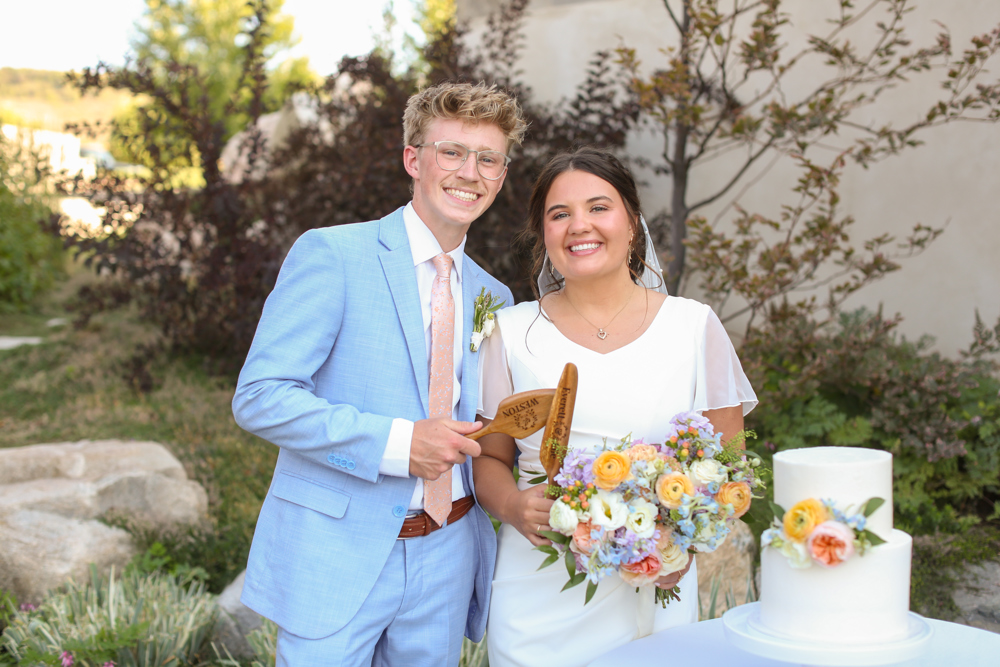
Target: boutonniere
(484, 318)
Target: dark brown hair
(606, 166)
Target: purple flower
(577, 466)
(28, 607)
(67, 659)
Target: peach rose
(642, 573)
(611, 469)
(831, 543)
(582, 542)
(737, 494)
(671, 486)
(802, 518)
(642, 452)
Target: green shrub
(861, 384)
(134, 621)
(30, 257)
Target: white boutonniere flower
(484, 318)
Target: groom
(369, 548)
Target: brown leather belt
(422, 524)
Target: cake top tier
(848, 476)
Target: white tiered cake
(853, 613)
(865, 599)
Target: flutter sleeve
(720, 382)
(495, 382)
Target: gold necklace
(601, 333)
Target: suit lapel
(397, 263)
(471, 283)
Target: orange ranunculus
(611, 469)
(800, 520)
(671, 486)
(644, 572)
(737, 494)
(642, 452)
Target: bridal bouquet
(637, 510)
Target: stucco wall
(953, 180)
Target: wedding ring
(539, 529)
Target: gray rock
(53, 495)
(41, 551)
(978, 596)
(235, 621)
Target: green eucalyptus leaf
(570, 563)
(558, 538)
(872, 505)
(874, 539)
(575, 580)
(548, 561)
(546, 549)
(779, 513)
(591, 589)
(538, 480)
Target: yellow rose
(670, 488)
(642, 452)
(737, 494)
(802, 518)
(611, 469)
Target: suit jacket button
(398, 510)
(350, 465)
(332, 458)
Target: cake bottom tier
(864, 600)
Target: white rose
(796, 554)
(706, 471)
(642, 519)
(562, 518)
(673, 559)
(608, 510)
(489, 325)
(477, 340)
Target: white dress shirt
(424, 247)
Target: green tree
(727, 91)
(197, 49)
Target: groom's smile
(449, 201)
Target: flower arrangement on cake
(637, 509)
(816, 531)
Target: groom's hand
(438, 444)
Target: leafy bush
(861, 384)
(135, 621)
(31, 257)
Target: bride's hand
(668, 581)
(528, 511)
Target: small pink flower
(830, 543)
(67, 659)
(582, 542)
(108, 664)
(27, 606)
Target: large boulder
(731, 566)
(235, 621)
(53, 495)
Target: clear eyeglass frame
(455, 162)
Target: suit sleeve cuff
(396, 458)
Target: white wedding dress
(683, 361)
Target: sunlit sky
(71, 34)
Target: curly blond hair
(473, 103)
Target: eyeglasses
(451, 155)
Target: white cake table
(705, 644)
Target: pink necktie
(437, 493)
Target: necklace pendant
(602, 334)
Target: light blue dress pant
(415, 614)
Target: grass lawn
(87, 384)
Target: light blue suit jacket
(339, 352)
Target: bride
(642, 358)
